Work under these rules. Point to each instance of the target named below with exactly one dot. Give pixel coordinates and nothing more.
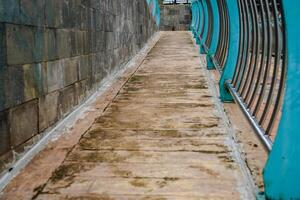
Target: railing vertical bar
(256, 52)
(252, 51)
(263, 51)
(226, 37)
(278, 50)
(220, 46)
(280, 95)
(203, 20)
(245, 58)
(268, 63)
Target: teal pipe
(231, 62)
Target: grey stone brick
(34, 79)
(85, 67)
(99, 41)
(2, 87)
(13, 87)
(98, 21)
(54, 75)
(89, 39)
(110, 41)
(9, 11)
(48, 110)
(95, 4)
(83, 18)
(20, 44)
(71, 13)
(81, 90)
(63, 43)
(86, 41)
(53, 13)
(2, 45)
(71, 67)
(39, 45)
(25, 44)
(98, 66)
(92, 40)
(23, 121)
(2, 65)
(67, 100)
(4, 133)
(50, 50)
(32, 12)
(77, 40)
(23, 83)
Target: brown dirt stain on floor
(164, 109)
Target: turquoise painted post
(154, 5)
(234, 35)
(215, 34)
(194, 17)
(157, 13)
(197, 14)
(154, 8)
(200, 21)
(197, 17)
(205, 13)
(282, 171)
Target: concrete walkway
(160, 138)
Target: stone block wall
(54, 54)
(175, 17)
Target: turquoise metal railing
(255, 46)
(155, 10)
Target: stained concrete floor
(160, 137)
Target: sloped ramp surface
(160, 138)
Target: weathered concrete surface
(160, 137)
(175, 17)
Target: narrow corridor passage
(160, 138)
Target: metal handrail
(258, 56)
(259, 74)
